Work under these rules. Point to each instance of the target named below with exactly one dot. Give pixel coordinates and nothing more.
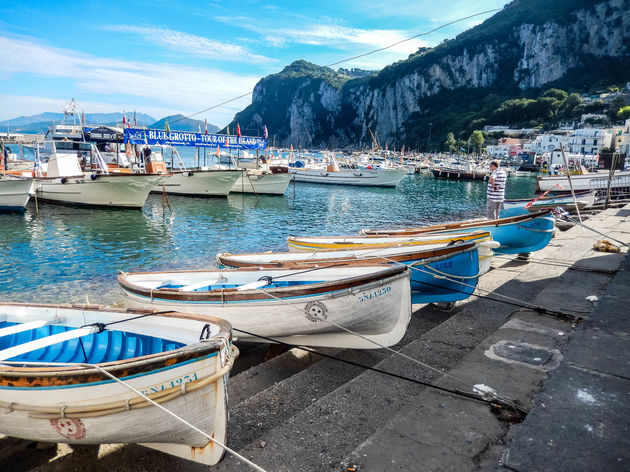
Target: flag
(205, 121)
(83, 118)
(167, 128)
(217, 150)
(124, 121)
(135, 122)
(228, 129)
(238, 130)
(265, 132)
(227, 142)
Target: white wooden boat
(516, 234)
(66, 183)
(292, 306)
(200, 182)
(592, 181)
(14, 193)
(438, 274)
(55, 387)
(269, 181)
(319, 245)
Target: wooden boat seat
(18, 328)
(30, 346)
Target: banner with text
(152, 137)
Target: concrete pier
(567, 367)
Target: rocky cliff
(530, 44)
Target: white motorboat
(66, 183)
(14, 193)
(200, 182)
(330, 173)
(591, 181)
(268, 180)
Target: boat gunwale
(420, 255)
(232, 295)
(439, 229)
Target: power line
(354, 57)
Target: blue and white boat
(66, 373)
(440, 273)
(516, 234)
(313, 307)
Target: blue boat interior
(274, 284)
(107, 346)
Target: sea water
(65, 254)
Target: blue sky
(168, 57)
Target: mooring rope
(495, 396)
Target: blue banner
(184, 138)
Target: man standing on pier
(496, 191)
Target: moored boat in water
(59, 365)
(14, 193)
(305, 307)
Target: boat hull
(105, 190)
(592, 181)
(79, 404)
(14, 194)
(359, 177)
(262, 183)
(199, 183)
(377, 306)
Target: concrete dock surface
(550, 335)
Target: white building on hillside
(588, 141)
(546, 142)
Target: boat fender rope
(127, 405)
(62, 411)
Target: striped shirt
(496, 192)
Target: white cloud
(192, 44)
(163, 86)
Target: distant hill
(181, 123)
(526, 66)
(39, 124)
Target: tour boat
(305, 307)
(516, 234)
(66, 183)
(66, 373)
(438, 273)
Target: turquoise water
(67, 254)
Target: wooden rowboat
(58, 365)
(438, 273)
(516, 234)
(305, 307)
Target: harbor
(543, 338)
(365, 237)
